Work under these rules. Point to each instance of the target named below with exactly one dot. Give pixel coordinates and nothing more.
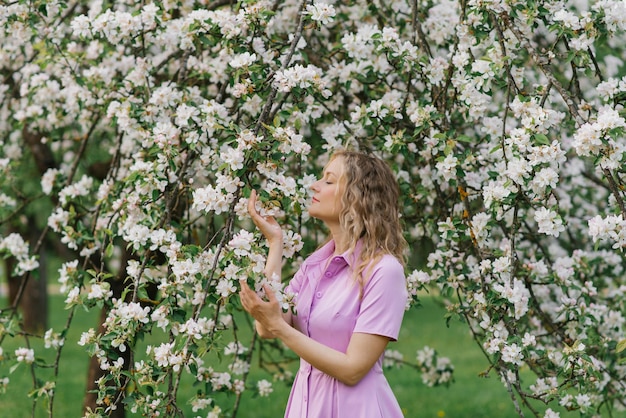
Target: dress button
(318, 294)
(328, 274)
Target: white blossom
(549, 222)
(517, 294)
(48, 179)
(512, 354)
(241, 243)
(243, 60)
(52, 339)
(87, 337)
(264, 387)
(298, 76)
(495, 192)
(25, 355)
(80, 188)
(321, 12)
(233, 157)
(551, 414)
(225, 287)
(447, 167)
(100, 291)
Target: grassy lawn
(470, 396)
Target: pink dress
(329, 310)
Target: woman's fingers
(252, 203)
(269, 292)
(268, 226)
(252, 210)
(267, 315)
(251, 300)
(244, 295)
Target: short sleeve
(384, 300)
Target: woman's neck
(340, 237)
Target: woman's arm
(349, 367)
(273, 233)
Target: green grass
(470, 396)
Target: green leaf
(14, 367)
(542, 139)
(109, 250)
(621, 346)
(570, 56)
(142, 293)
(494, 149)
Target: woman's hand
(268, 226)
(267, 314)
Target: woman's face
(327, 192)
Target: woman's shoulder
(387, 266)
(387, 277)
(389, 261)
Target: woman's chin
(316, 215)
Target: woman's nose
(314, 186)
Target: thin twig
(543, 64)
(269, 102)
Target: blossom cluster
(435, 370)
(15, 246)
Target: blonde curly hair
(370, 210)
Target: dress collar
(327, 250)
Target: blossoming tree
(150, 122)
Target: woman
(350, 293)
